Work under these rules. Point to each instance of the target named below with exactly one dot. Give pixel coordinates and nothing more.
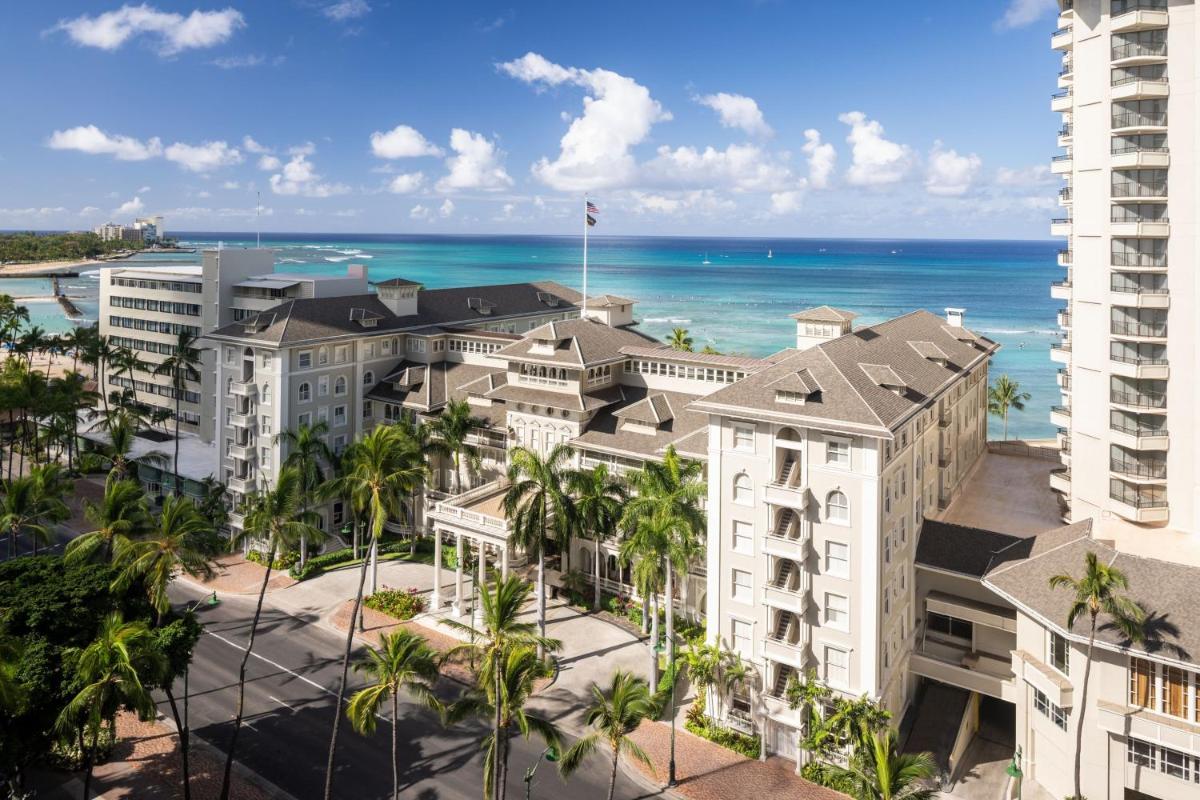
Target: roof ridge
(1055, 548)
(849, 383)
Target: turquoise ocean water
(739, 301)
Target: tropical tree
(121, 516)
(679, 340)
(125, 362)
(879, 771)
(1004, 394)
(539, 509)
(31, 504)
(98, 352)
(110, 672)
(1098, 591)
(274, 520)
(425, 442)
(169, 550)
(182, 366)
(599, 499)
(378, 472)
(453, 426)
(645, 547)
(402, 662)
(117, 453)
(308, 453)
(615, 713)
(500, 635)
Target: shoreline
(46, 269)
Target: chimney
(356, 271)
(954, 317)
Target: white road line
(277, 700)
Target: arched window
(368, 378)
(743, 489)
(305, 392)
(339, 385)
(264, 393)
(837, 507)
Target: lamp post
(671, 782)
(551, 755)
(1013, 770)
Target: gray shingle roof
(959, 548)
(824, 314)
(436, 383)
(590, 401)
(668, 353)
(608, 301)
(580, 342)
(604, 432)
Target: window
(743, 537)
(837, 452)
(1142, 754)
(837, 666)
(742, 635)
(322, 385)
(341, 354)
(339, 385)
(951, 627)
(368, 378)
(369, 350)
(339, 513)
(1143, 692)
(743, 438)
(837, 507)
(1059, 653)
(304, 393)
(837, 611)
(1174, 691)
(743, 490)
(304, 359)
(743, 586)
(323, 356)
(339, 415)
(837, 559)
(304, 420)
(1049, 710)
(339, 444)
(323, 414)
(368, 409)
(1163, 759)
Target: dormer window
(885, 377)
(796, 388)
(481, 306)
(549, 299)
(931, 352)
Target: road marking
(277, 700)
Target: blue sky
(781, 117)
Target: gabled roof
(929, 350)
(883, 375)
(686, 429)
(959, 548)
(653, 409)
(579, 342)
(801, 381)
(824, 314)
(608, 301)
(668, 353)
(396, 282)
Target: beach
(45, 269)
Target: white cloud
(204, 194)
(238, 62)
(88, 211)
(876, 160)
(269, 163)
(347, 212)
(1020, 13)
(821, 158)
(90, 139)
(173, 33)
(231, 185)
(1037, 175)
(402, 141)
(406, 183)
(696, 201)
(446, 209)
(300, 178)
(38, 212)
(346, 10)
(130, 207)
(617, 115)
(786, 202)
(737, 111)
(204, 157)
(418, 212)
(477, 164)
(143, 190)
(251, 146)
(741, 167)
(949, 173)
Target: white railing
(540, 381)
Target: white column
(504, 562)
(458, 574)
(477, 611)
(437, 569)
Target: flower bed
(388, 551)
(402, 605)
(285, 561)
(705, 727)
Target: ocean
(735, 294)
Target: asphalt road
(59, 536)
(291, 680)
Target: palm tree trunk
(612, 778)
(497, 744)
(241, 700)
(178, 490)
(1006, 423)
(654, 642)
(541, 600)
(89, 761)
(182, 732)
(645, 615)
(1087, 674)
(670, 614)
(596, 569)
(395, 749)
(374, 554)
(337, 710)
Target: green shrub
(822, 774)
(396, 603)
(65, 754)
(705, 728)
(284, 561)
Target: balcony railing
(1066, 412)
(1062, 284)
(1155, 470)
(1060, 32)
(1136, 430)
(1118, 215)
(1141, 361)
(1064, 256)
(1131, 119)
(1061, 157)
(1131, 189)
(1060, 221)
(1137, 500)
(1156, 330)
(1139, 260)
(1065, 131)
(1124, 287)
(1065, 193)
(1060, 94)
(1137, 50)
(1139, 399)
(1123, 6)
(1119, 147)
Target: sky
(731, 118)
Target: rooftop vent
(258, 322)
(796, 387)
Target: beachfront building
(111, 232)
(821, 468)
(1128, 102)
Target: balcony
(1138, 122)
(793, 547)
(1060, 353)
(241, 485)
(1137, 89)
(1134, 157)
(1147, 402)
(1061, 164)
(479, 511)
(1064, 380)
(1133, 296)
(1060, 226)
(1129, 190)
(1060, 480)
(1065, 136)
(1131, 53)
(243, 421)
(1064, 320)
(946, 458)
(1138, 508)
(1126, 226)
(1044, 678)
(782, 494)
(1061, 39)
(243, 389)
(1061, 101)
(1138, 16)
(1142, 331)
(1132, 437)
(237, 520)
(1064, 196)
(784, 652)
(1139, 262)
(243, 452)
(1060, 416)
(793, 600)
(986, 673)
(1065, 258)
(1138, 471)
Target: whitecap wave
(93, 273)
(291, 261)
(1017, 332)
(336, 259)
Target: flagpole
(585, 245)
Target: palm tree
(379, 472)
(453, 426)
(117, 453)
(169, 550)
(182, 366)
(1098, 591)
(501, 633)
(308, 453)
(672, 490)
(109, 671)
(121, 516)
(646, 547)
(125, 361)
(98, 353)
(1003, 395)
(599, 498)
(30, 504)
(679, 340)
(402, 662)
(615, 713)
(879, 771)
(538, 507)
(422, 439)
(274, 520)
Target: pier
(72, 310)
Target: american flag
(591, 208)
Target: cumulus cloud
(476, 164)
(299, 178)
(446, 209)
(44, 211)
(695, 201)
(949, 173)
(90, 139)
(1037, 175)
(786, 202)
(618, 114)
(346, 10)
(419, 212)
(268, 163)
(406, 183)
(171, 33)
(741, 167)
(204, 157)
(231, 185)
(88, 211)
(1020, 13)
(142, 190)
(875, 160)
(821, 158)
(251, 146)
(737, 111)
(402, 141)
(131, 207)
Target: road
(59, 536)
(291, 680)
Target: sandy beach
(46, 268)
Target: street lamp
(551, 755)
(1013, 770)
(671, 782)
